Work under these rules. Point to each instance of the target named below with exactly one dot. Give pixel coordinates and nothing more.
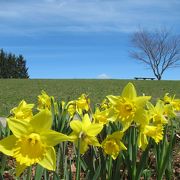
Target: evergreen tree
(12, 66)
(2, 64)
(21, 67)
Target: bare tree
(159, 50)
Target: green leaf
(143, 162)
(97, 173)
(66, 173)
(116, 174)
(39, 172)
(55, 176)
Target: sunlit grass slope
(14, 90)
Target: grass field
(12, 91)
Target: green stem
(45, 174)
(143, 161)
(29, 170)
(162, 148)
(110, 168)
(78, 161)
(3, 164)
(134, 152)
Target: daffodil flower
(23, 111)
(127, 105)
(101, 116)
(168, 99)
(82, 103)
(149, 127)
(44, 101)
(157, 112)
(32, 142)
(86, 132)
(155, 132)
(175, 103)
(71, 108)
(142, 141)
(79, 105)
(112, 145)
(105, 104)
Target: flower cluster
(33, 139)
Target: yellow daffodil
(155, 132)
(142, 141)
(168, 99)
(32, 142)
(63, 104)
(112, 145)
(176, 104)
(82, 103)
(86, 132)
(150, 124)
(169, 111)
(23, 111)
(79, 105)
(44, 101)
(157, 112)
(127, 105)
(142, 117)
(105, 104)
(172, 101)
(101, 116)
(71, 108)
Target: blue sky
(83, 38)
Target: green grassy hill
(12, 91)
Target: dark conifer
(12, 66)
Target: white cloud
(103, 76)
(87, 16)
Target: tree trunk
(158, 76)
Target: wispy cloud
(33, 17)
(103, 76)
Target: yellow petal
(18, 127)
(141, 101)
(117, 135)
(51, 138)
(123, 147)
(142, 117)
(126, 124)
(113, 115)
(20, 168)
(129, 91)
(93, 141)
(73, 136)
(113, 99)
(86, 122)
(7, 144)
(160, 107)
(76, 126)
(114, 156)
(142, 141)
(49, 160)
(83, 147)
(42, 120)
(150, 106)
(94, 129)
